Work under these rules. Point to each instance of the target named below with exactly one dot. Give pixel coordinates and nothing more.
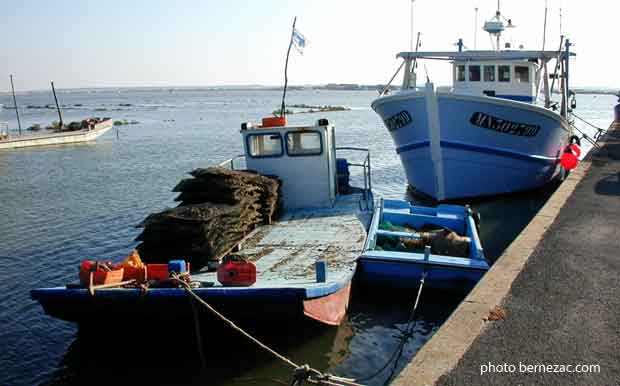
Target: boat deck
(285, 252)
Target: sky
(126, 43)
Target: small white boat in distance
(89, 133)
(486, 134)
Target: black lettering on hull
(504, 126)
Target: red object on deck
(135, 273)
(101, 275)
(236, 272)
(275, 121)
(329, 309)
(157, 272)
(160, 272)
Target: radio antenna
(545, 27)
(411, 42)
(476, 28)
(560, 17)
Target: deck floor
(285, 252)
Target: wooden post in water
(57, 106)
(19, 124)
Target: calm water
(64, 204)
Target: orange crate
(274, 121)
(138, 274)
(100, 276)
(157, 272)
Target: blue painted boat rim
(412, 146)
(418, 259)
(480, 149)
(303, 291)
(499, 151)
(520, 98)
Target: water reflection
(144, 351)
(366, 346)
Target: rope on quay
(406, 334)
(301, 374)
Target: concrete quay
(559, 285)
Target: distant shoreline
(328, 87)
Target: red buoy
(569, 161)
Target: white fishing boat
(90, 132)
(488, 133)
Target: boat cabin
(510, 74)
(304, 159)
(516, 80)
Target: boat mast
(565, 88)
(288, 53)
(498, 18)
(545, 61)
(57, 106)
(411, 40)
(19, 124)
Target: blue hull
(477, 146)
(257, 304)
(406, 276)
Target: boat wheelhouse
(487, 133)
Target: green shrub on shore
(35, 127)
(54, 126)
(309, 109)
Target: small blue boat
(404, 268)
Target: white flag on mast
(299, 41)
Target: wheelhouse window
(504, 73)
(264, 145)
(489, 73)
(304, 143)
(460, 73)
(474, 73)
(522, 74)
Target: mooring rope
(392, 79)
(404, 338)
(302, 373)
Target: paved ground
(564, 307)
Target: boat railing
(230, 163)
(368, 202)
